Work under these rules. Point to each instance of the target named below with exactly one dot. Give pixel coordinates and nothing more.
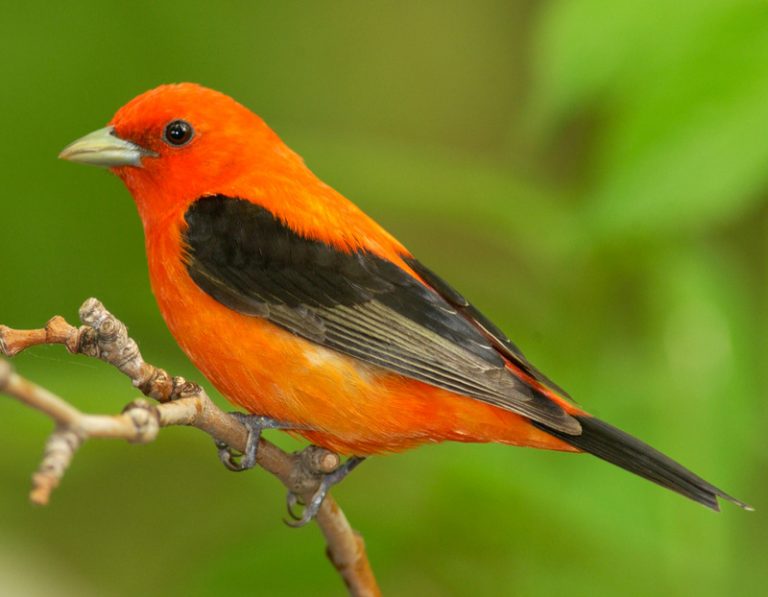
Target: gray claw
(292, 501)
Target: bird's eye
(178, 133)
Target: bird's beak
(104, 148)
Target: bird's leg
(255, 425)
(328, 480)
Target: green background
(592, 174)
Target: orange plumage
(246, 335)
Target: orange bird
(301, 309)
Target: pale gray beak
(104, 148)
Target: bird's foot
(234, 460)
(327, 481)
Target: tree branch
(181, 402)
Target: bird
(306, 313)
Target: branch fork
(179, 402)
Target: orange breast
(352, 407)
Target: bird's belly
(349, 406)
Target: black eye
(178, 133)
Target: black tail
(619, 448)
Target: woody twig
(177, 402)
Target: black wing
(498, 339)
(356, 303)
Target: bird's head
(176, 143)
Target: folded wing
(354, 302)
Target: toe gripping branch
(255, 424)
(327, 470)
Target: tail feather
(619, 448)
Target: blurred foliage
(681, 87)
(592, 174)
